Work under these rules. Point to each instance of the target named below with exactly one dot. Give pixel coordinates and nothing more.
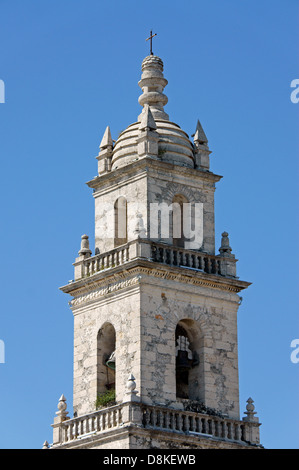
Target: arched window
(189, 370)
(177, 220)
(120, 221)
(106, 360)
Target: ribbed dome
(172, 143)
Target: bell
(182, 361)
(111, 361)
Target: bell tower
(155, 307)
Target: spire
(105, 154)
(152, 84)
(199, 135)
(147, 119)
(107, 139)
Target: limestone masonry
(155, 317)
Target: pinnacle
(147, 119)
(107, 139)
(199, 135)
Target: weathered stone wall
(121, 310)
(213, 312)
(145, 313)
(152, 183)
(163, 186)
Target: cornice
(147, 164)
(135, 272)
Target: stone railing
(195, 423)
(181, 257)
(91, 423)
(155, 252)
(158, 418)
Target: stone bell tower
(155, 308)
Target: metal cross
(151, 39)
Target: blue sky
(71, 68)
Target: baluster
(179, 422)
(68, 433)
(187, 423)
(104, 422)
(226, 430)
(146, 417)
(242, 431)
(64, 433)
(218, 266)
(87, 269)
(101, 423)
(217, 428)
(171, 421)
(201, 263)
(154, 417)
(167, 420)
(213, 427)
(85, 426)
(188, 260)
(192, 424)
(91, 424)
(160, 419)
(237, 432)
(75, 429)
(198, 424)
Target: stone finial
(200, 136)
(107, 139)
(131, 393)
(62, 407)
(225, 249)
(61, 416)
(152, 84)
(46, 445)
(85, 250)
(250, 412)
(147, 120)
(131, 384)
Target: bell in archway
(111, 361)
(182, 361)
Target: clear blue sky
(70, 69)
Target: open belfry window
(187, 362)
(106, 360)
(120, 222)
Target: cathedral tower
(155, 308)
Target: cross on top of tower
(151, 41)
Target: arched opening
(106, 360)
(178, 237)
(189, 370)
(120, 222)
